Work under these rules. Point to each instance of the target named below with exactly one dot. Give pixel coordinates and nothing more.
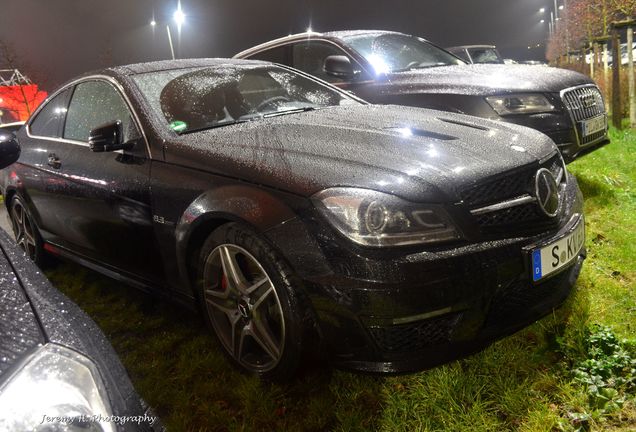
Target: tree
(624, 9)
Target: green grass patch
(563, 373)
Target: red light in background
(21, 100)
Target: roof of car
(308, 35)
(347, 33)
(11, 125)
(163, 65)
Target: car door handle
(54, 161)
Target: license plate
(593, 125)
(553, 257)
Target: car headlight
(520, 104)
(55, 389)
(373, 218)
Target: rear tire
(251, 302)
(25, 231)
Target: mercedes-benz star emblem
(244, 309)
(547, 192)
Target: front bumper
(560, 128)
(394, 311)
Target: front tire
(249, 301)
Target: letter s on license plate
(558, 254)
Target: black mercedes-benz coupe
(57, 369)
(394, 68)
(297, 216)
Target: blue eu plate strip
(536, 265)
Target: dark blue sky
(62, 38)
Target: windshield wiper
(214, 126)
(289, 111)
(429, 65)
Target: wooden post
(617, 110)
(630, 77)
(606, 69)
(627, 24)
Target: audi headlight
(55, 389)
(373, 218)
(520, 104)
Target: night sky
(58, 39)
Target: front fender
(252, 206)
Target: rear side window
(48, 122)
(93, 104)
(274, 55)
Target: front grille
(510, 186)
(498, 190)
(415, 336)
(584, 103)
(524, 218)
(521, 213)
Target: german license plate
(553, 257)
(593, 125)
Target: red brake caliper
(223, 282)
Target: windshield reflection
(394, 52)
(205, 98)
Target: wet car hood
(483, 80)
(421, 155)
(33, 312)
(19, 329)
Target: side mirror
(9, 149)
(338, 66)
(108, 137)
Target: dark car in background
(393, 68)
(57, 370)
(298, 216)
(477, 54)
(6, 128)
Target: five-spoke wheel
(26, 235)
(249, 302)
(244, 307)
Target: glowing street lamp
(179, 16)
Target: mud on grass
(521, 383)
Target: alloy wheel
(244, 307)
(23, 230)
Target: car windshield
(202, 98)
(485, 55)
(390, 52)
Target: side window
(93, 104)
(310, 57)
(274, 55)
(49, 120)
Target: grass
(522, 383)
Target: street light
(179, 18)
(542, 10)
